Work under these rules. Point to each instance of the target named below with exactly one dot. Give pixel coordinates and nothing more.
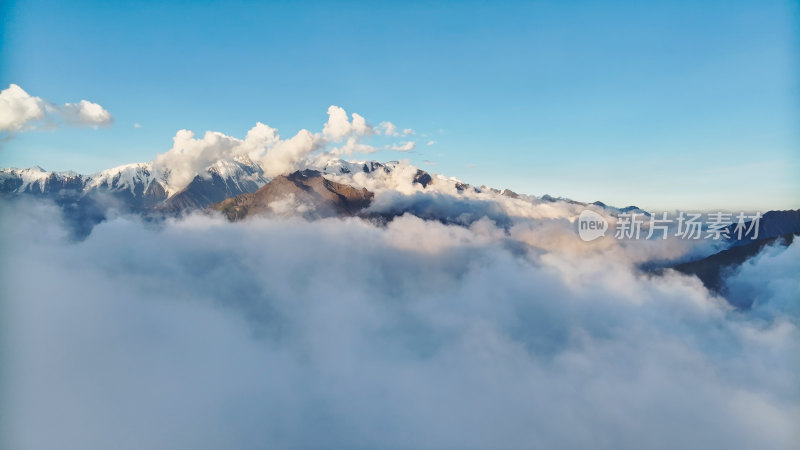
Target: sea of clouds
(339, 333)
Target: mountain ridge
(306, 191)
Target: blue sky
(660, 104)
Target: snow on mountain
(126, 177)
(398, 188)
(241, 171)
(36, 180)
(23, 180)
(137, 178)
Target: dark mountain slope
(711, 270)
(306, 193)
(203, 191)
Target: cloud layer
(340, 136)
(20, 111)
(338, 333)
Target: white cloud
(85, 113)
(431, 143)
(404, 146)
(414, 334)
(339, 127)
(19, 111)
(780, 266)
(190, 156)
(340, 136)
(284, 156)
(137, 125)
(389, 129)
(352, 146)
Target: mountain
(223, 179)
(142, 188)
(772, 224)
(775, 228)
(626, 210)
(712, 269)
(138, 187)
(147, 189)
(306, 192)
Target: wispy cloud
(404, 146)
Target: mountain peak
(304, 192)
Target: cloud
(190, 156)
(340, 136)
(338, 126)
(137, 125)
(201, 333)
(284, 156)
(352, 146)
(85, 113)
(431, 143)
(389, 129)
(404, 146)
(19, 111)
(780, 266)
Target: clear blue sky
(680, 104)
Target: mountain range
(239, 188)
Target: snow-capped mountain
(140, 186)
(39, 181)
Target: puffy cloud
(431, 143)
(258, 138)
(417, 334)
(340, 136)
(338, 126)
(19, 111)
(284, 156)
(190, 156)
(352, 146)
(85, 113)
(769, 283)
(408, 132)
